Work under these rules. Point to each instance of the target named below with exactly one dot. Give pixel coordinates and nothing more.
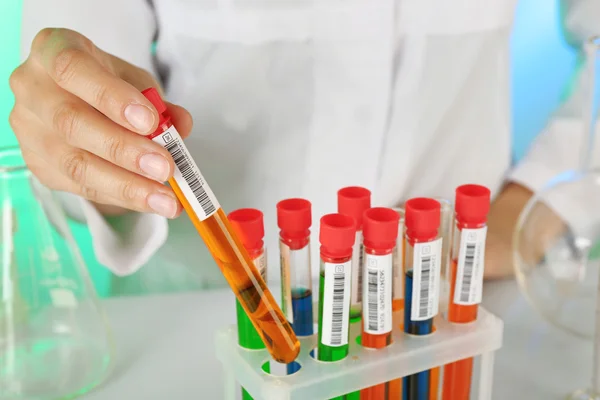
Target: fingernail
(140, 117)
(163, 205)
(155, 166)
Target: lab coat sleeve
(558, 149)
(125, 29)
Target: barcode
(360, 271)
(337, 313)
(185, 167)
(424, 289)
(468, 272)
(372, 293)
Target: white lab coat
(299, 98)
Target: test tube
(398, 265)
(422, 278)
(354, 201)
(249, 226)
(380, 229)
(294, 218)
(466, 283)
(445, 232)
(212, 224)
(337, 236)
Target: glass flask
(557, 237)
(55, 342)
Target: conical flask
(55, 342)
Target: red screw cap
(380, 228)
(422, 218)
(249, 226)
(154, 97)
(337, 235)
(472, 203)
(354, 201)
(294, 215)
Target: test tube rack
(363, 367)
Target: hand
(502, 219)
(80, 119)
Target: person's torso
(300, 98)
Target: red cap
(154, 97)
(472, 204)
(380, 228)
(422, 218)
(249, 226)
(354, 201)
(294, 217)
(337, 235)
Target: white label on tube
(188, 176)
(286, 282)
(336, 304)
(357, 269)
(377, 299)
(469, 271)
(261, 264)
(427, 258)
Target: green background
(10, 21)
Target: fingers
(181, 118)
(95, 179)
(80, 126)
(71, 60)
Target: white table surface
(165, 348)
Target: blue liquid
(303, 317)
(415, 387)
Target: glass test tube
(380, 229)
(397, 265)
(337, 236)
(212, 224)
(354, 201)
(249, 226)
(466, 283)
(445, 232)
(422, 275)
(294, 218)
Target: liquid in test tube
(209, 219)
(337, 236)
(249, 227)
(380, 229)
(294, 218)
(422, 278)
(354, 201)
(466, 279)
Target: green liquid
(248, 338)
(355, 313)
(330, 353)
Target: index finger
(76, 65)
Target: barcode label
(426, 280)
(336, 304)
(377, 299)
(188, 176)
(261, 264)
(286, 282)
(357, 267)
(469, 273)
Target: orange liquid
(245, 281)
(457, 376)
(434, 383)
(384, 391)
